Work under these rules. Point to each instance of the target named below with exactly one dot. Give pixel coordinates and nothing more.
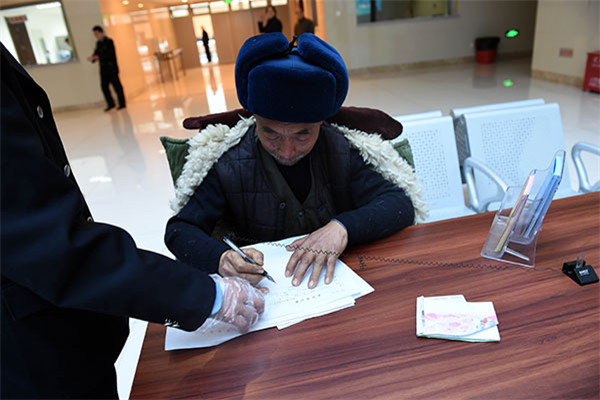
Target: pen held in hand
(246, 257)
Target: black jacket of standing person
(69, 283)
(105, 50)
(273, 25)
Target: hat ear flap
(254, 50)
(320, 53)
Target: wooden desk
(550, 328)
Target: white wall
(410, 41)
(76, 83)
(565, 24)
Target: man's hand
(326, 244)
(242, 304)
(92, 58)
(232, 264)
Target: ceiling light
(140, 5)
(125, 2)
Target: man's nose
(287, 149)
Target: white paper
(452, 318)
(285, 304)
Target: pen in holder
(514, 232)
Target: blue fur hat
(274, 79)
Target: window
(259, 3)
(218, 7)
(37, 34)
(240, 5)
(200, 8)
(383, 10)
(179, 11)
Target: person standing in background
(303, 25)
(270, 22)
(109, 70)
(205, 43)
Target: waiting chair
(436, 164)
(505, 145)
(413, 117)
(584, 183)
(462, 143)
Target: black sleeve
(261, 27)
(49, 247)
(188, 233)
(381, 208)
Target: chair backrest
(515, 141)
(462, 144)
(412, 117)
(436, 164)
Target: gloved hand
(242, 304)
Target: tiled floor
(119, 163)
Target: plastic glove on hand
(242, 304)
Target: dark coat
(68, 283)
(369, 206)
(273, 25)
(105, 50)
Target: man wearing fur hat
(285, 172)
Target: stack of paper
(285, 305)
(453, 318)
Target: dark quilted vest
(255, 211)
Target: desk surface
(549, 327)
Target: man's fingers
(247, 268)
(241, 323)
(254, 279)
(237, 263)
(303, 265)
(259, 301)
(316, 271)
(293, 261)
(331, 260)
(250, 315)
(254, 254)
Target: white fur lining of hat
(212, 142)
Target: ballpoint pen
(246, 257)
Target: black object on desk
(579, 272)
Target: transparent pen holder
(510, 251)
(517, 225)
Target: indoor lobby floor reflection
(119, 163)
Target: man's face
(99, 35)
(270, 12)
(288, 143)
(299, 13)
